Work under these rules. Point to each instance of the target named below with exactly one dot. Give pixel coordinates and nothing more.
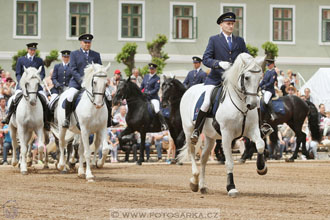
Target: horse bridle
(243, 89)
(28, 92)
(91, 95)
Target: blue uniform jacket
(24, 61)
(151, 86)
(61, 77)
(218, 50)
(268, 81)
(193, 79)
(78, 62)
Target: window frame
(236, 5)
(68, 17)
(171, 31)
(38, 36)
(321, 8)
(143, 17)
(293, 41)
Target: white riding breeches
(267, 96)
(155, 103)
(207, 99)
(71, 92)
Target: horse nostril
(248, 106)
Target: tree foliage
(159, 57)
(271, 51)
(127, 57)
(53, 56)
(253, 50)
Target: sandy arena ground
(299, 190)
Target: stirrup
(194, 137)
(266, 129)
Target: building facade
(300, 28)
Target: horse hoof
(204, 190)
(289, 160)
(194, 187)
(221, 162)
(138, 163)
(93, 166)
(90, 181)
(241, 161)
(24, 173)
(233, 193)
(14, 164)
(263, 171)
(72, 165)
(81, 176)
(46, 167)
(64, 172)
(29, 164)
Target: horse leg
(96, 149)
(303, 144)
(194, 180)
(105, 150)
(142, 147)
(260, 145)
(24, 138)
(87, 153)
(81, 169)
(209, 143)
(227, 141)
(13, 132)
(41, 147)
(62, 144)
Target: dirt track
(299, 190)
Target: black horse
(172, 92)
(140, 116)
(296, 111)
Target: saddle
(217, 97)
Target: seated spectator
(288, 136)
(7, 145)
(114, 144)
(159, 139)
(307, 93)
(120, 118)
(285, 86)
(291, 90)
(8, 88)
(311, 145)
(136, 78)
(326, 124)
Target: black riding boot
(68, 111)
(198, 126)
(162, 121)
(271, 111)
(12, 108)
(264, 127)
(47, 113)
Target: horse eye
(247, 78)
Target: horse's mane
(243, 61)
(90, 70)
(29, 74)
(135, 90)
(179, 85)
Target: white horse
(92, 116)
(28, 117)
(237, 116)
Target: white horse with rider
(28, 118)
(91, 114)
(237, 116)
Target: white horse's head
(29, 83)
(245, 75)
(95, 82)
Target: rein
(91, 95)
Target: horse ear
(93, 66)
(164, 77)
(174, 77)
(260, 60)
(39, 70)
(107, 67)
(128, 79)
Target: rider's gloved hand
(224, 65)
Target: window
(282, 24)
(80, 13)
(325, 25)
(238, 11)
(27, 18)
(131, 21)
(184, 22)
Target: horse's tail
(184, 155)
(313, 122)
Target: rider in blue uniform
(220, 53)
(62, 73)
(29, 60)
(79, 59)
(267, 86)
(150, 86)
(195, 76)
